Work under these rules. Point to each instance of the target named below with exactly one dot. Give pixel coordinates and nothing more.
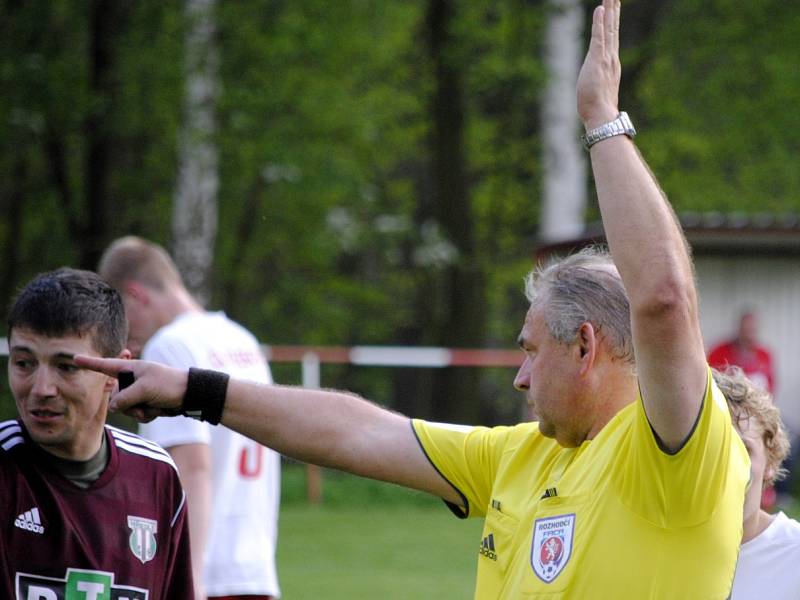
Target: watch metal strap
(622, 125)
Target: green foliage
(52, 105)
(316, 191)
(719, 95)
(324, 130)
(329, 229)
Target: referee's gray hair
(583, 287)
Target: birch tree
(195, 211)
(564, 172)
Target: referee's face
(550, 377)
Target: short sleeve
(168, 350)
(682, 489)
(467, 457)
(173, 431)
(176, 431)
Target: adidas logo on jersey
(487, 547)
(30, 521)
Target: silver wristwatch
(620, 126)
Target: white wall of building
(770, 286)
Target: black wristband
(205, 395)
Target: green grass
(372, 540)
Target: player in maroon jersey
(86, 510)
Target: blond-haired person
(770, 553)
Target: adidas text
(30, 521)
(488, 553)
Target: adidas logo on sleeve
(30, 521)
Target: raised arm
(328, 428)
(648, 247)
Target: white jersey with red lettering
(242, 535)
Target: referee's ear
(587, 346)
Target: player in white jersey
(233, 483)
(770, 551)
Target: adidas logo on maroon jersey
(30, 521)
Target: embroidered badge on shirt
(551, 546)
(142, 540)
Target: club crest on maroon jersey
(142, 540)
(551, 546)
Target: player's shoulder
(178, 339)
(10, 436)
(764, 353)
(790, 528)
(205, 325)
(135, 445)
(721, 351)
(230, 327)
(176, 329)
(14, 446)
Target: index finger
(108, 366)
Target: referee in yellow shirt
(631, 483)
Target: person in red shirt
(745, 352)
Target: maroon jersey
(125, 537)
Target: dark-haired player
(88, 511)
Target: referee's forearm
(328, 428)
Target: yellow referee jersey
(616, 518)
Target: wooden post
(311, 379)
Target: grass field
(371, 540)
(375, 541)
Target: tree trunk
(104, 22)
(564, 207)
(195, 212)
(12, 211)
(244, 233)
(455, 391)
